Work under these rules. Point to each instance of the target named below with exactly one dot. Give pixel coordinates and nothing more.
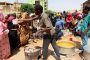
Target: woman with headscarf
(13, 36)
(24, 29)
(69, 20)
(4, 42)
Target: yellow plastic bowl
(66, 44)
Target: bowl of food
(66, 47)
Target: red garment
(11, 18)
(69, 18)
(79, 16)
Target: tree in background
(27, 8)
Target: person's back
(59, 24)
(58, 27)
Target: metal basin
(32, 53)
(66, 47)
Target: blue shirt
(59, 24)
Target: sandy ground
(19, 55)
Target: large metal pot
(67, 50)
(32, 53)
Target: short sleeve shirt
(45, 21)
(86, 23)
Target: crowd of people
(15, 30)
(9, 38)
(13, 33)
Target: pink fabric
(2, 27)
(4, 46)
(10, 18)
(4, 42)
(1, 17)
(79, 15)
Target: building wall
(31, 1)
(44, 3)
(10, 8)
(5, 8)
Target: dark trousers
(13, 39)
(47, 39)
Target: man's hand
(45, 30)
(88, 27)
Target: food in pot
(66, 44)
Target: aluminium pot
(65, 50)
(32, 53)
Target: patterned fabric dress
(24, 30)
(4, 42)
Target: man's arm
(31, 19)
(45, 29)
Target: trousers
(84, 39)
(47, 39)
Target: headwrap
(10, 18)
(69, 14)
(69, 17)
(79, 15)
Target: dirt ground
(19, 55)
